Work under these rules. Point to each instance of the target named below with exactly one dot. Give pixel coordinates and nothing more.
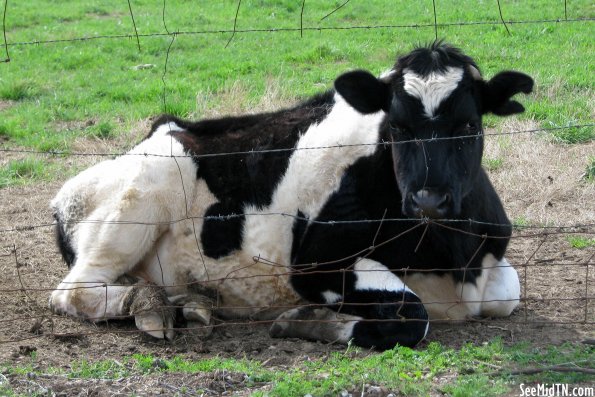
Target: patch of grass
(492, 164)
(477, 386)
(569, 134)
(107, 369)
(477, 370)
(580, 242)
(524, 356)
(3, 130)
(103, 130)
(16, 171)
(47, 77)
(33, 170)
(520, 222)
(19, 90)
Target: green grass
(19, 91)
(492, 164)
(20, 171)
(473, 370)
(581, 242)
(100, 79)
(520, 223)
(570, 134)
(103, 130)
(34, 169)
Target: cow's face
(434, 98)
(435, 125)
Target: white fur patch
(345, 327)
(314, 173)
(331, 296)
(118, 186)
(431, 90)
(438, 294)
(387, 75)
(167, 128)
(161, 143)
(495, 293)
(502, 289)
(372, 275)
(116, 210)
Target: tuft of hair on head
(436, 56)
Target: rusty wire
(284, 150)
(298, 29)
(525, 299)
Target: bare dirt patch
(100, 14)
(5, 104)
(539, 180)
(558, 284)
(213, 384)
(92, 149)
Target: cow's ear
(496, 93)
(363, 91)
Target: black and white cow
(368, 202)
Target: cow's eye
(395, 129)
(472, 127)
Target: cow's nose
(430, 203)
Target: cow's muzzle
(428, 203)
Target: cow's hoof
(321, 324)
(199, 329)
(152, 324)
(281, 326)
(194, 312)
(195, 308)
(152, 312)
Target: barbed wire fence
(535, 301)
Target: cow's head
(434, 98)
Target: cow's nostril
(446, 198)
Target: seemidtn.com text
(556, 390)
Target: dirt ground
(539, 182)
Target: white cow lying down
(285, 219)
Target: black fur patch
(64, 244)
(299, 229)
(364, 92)
(222, 230)
(257, 149)
(496, 93)
(256, 152)
(407, 311)
(436, 57)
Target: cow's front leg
(98, 297)
(315, 323)
(108, 245)
(368, 305)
